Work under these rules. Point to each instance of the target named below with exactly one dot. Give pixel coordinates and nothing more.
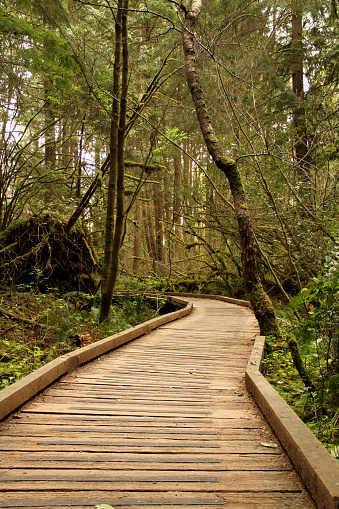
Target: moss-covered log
(38, 251)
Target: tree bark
(176, 198)
(299, 115)
(136, 239)
(113, 164)
(148, 214)
(158, 217)
(261, 304)
(117, 172)
(50, 143)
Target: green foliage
(318, 331)
(164, 146)
(317, 335)
(317, 410)
(24, 349)
(128, 311)
(135, 309)
(17, 360)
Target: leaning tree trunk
(261, 303)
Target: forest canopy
(191, 145)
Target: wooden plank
(94, 409)
(129, 461)
(125, 392)
(233, 447)
(192, 500)
(236, 481)
(138, 432)
(66, 419)
(132, 500)
(135, 419)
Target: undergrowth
(321, 417)
(36, 328)
(304, 365)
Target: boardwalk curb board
(230, 300)
(12, 397)
(318, 469)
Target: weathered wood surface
(163, 421)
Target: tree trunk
(136, 239)
(148, 213)
(298, 364)
(50, 143)
(299, 116)
(261, 304)
(78, 162)
(112, 181)
(113, 249)
(176, 196)
(158, 217)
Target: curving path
(163, 421)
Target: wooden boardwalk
(164, 421)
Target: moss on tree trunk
(261, 303)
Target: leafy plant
(317, 340)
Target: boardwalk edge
(238, 302)
(15, 395)
(315, 465)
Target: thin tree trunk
(50, 144)
(168, 223)
(111, 192)
(298, 364)
(261, 304)
(158, 217)
(79, 162)
(299, 115)
(65, 144)
(148, 223)
(121, 151)
(177, 189)
(136, 239)
(187, 178)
